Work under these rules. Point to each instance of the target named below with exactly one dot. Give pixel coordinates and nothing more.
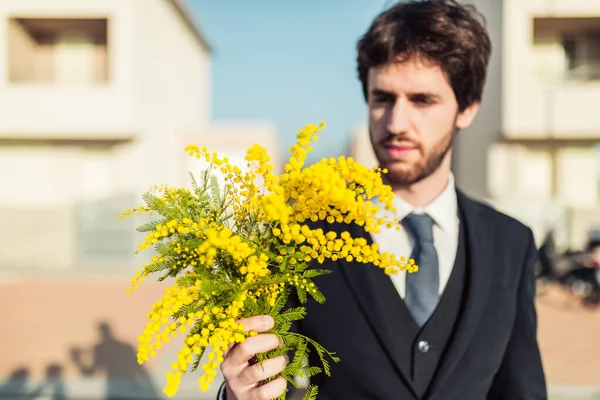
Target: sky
(290, 63)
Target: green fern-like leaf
(312, 273)
(190, 308)
(280, 303)
(185, 281)
(154, 202)
(283, 395)
(206, 174)
(301, 294)
(194, 184)
(161, 266)
(215, 190)
(321, 351)
(217, 287)
(164, 249)
(290, 315)
(283, 326)
(252, 307)
(170, 274)
(300, 355)
(309, 372)
(197, 360)
(311, 393)
(203, 273)
(284, 264)
(316, 294)
(150, 226)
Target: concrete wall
(472, 145)
(51, 319)
(535, 107)
(43, 110)
(22, 48)
(39, 238)
(72, 158)
(172, 98)
(361, 149)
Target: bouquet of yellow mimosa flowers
(241, 250)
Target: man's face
(413, 117)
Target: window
(567, 48)
(582, 56)
(570, 49)
(61, 51)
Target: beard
(404, 174)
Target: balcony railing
(571, 111)
(55, 112)
(584, 72)
(557, 109)
(580, 72)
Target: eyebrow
(381, 92)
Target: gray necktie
(422, 287)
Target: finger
(229, 347)
(269, 391)
(259, 323)
(253, 374)
(252, 360)
(243, 352)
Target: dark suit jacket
(494, 352)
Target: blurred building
(547, 165)
(473, 144)
(360, 147)
(231, 140)
(98, 100)
(533, 149)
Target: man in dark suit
(464, 326)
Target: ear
(464, 119)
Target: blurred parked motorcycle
(577, 271)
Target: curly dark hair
(444, 32)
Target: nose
(398, 118)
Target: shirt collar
(443, 209)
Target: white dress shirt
(444, 212)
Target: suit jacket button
(423, 346)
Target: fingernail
(268, 320)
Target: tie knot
(420, 226)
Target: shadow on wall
(111, 359)
(117, 361)
(17, 385)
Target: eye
(422, 100)
(382, 98)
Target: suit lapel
(382, 306)
(480, 237)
